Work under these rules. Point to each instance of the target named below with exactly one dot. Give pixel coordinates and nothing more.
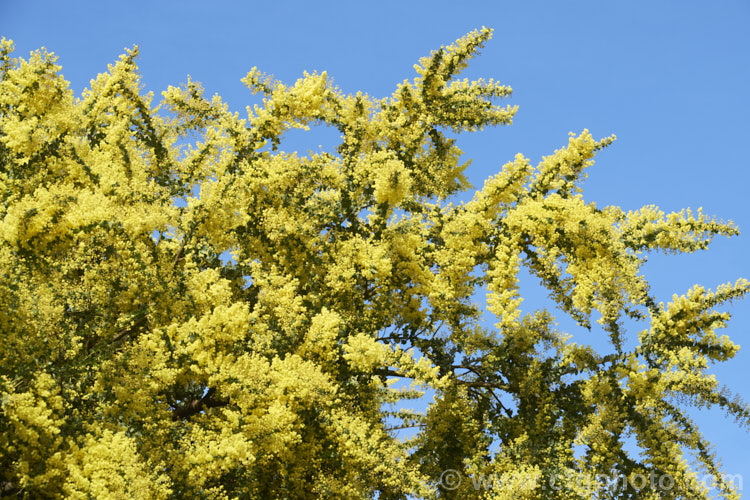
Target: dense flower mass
(224, 319)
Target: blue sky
(669, 79)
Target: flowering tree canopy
(189, 311)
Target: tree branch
(126, 331)
(400, 427)
(387, 372)
(481, 383)
(198, 405)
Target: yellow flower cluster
(188, 310)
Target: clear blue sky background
(670, 79)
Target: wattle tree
(190, 311)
